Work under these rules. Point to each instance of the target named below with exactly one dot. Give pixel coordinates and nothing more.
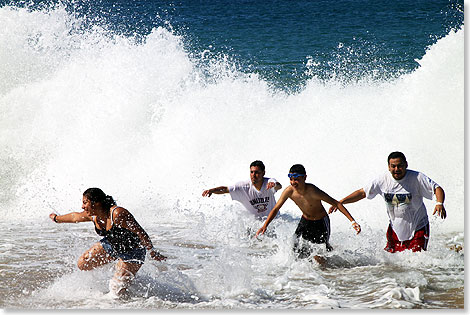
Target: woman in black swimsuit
(123, 238)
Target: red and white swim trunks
(416, 244)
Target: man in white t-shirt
(403, 191)
(256, 194)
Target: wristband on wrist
(439, 203)
(352, 222)
(55, 219)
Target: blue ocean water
(155, 101)
(287, 42)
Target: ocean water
(155, 101)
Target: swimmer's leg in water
(125, 272)
(303, 249)
(123, 276)
(96, 256)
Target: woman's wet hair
(97, 195)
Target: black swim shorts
(136, 255)
(315, 231)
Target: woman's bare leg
(125, 273)
(94, 257)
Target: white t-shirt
(258, 202)
(404, 200)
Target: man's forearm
(355, 196)
(440, 195)
(219, 190)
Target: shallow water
(38, 267)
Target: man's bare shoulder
(287, 193)
(311, 187)
(289, 190)
(313, 190)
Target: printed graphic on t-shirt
(398, 205)
(398, 199)
(261, 204)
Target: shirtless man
(314, 226)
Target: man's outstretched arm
(285, 194)
(217, 190)
(355, 196)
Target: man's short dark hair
(396, 155)
(257, 163)
(298, 168)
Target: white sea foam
(92, 109)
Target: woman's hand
(156, 255)
(53, 217)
